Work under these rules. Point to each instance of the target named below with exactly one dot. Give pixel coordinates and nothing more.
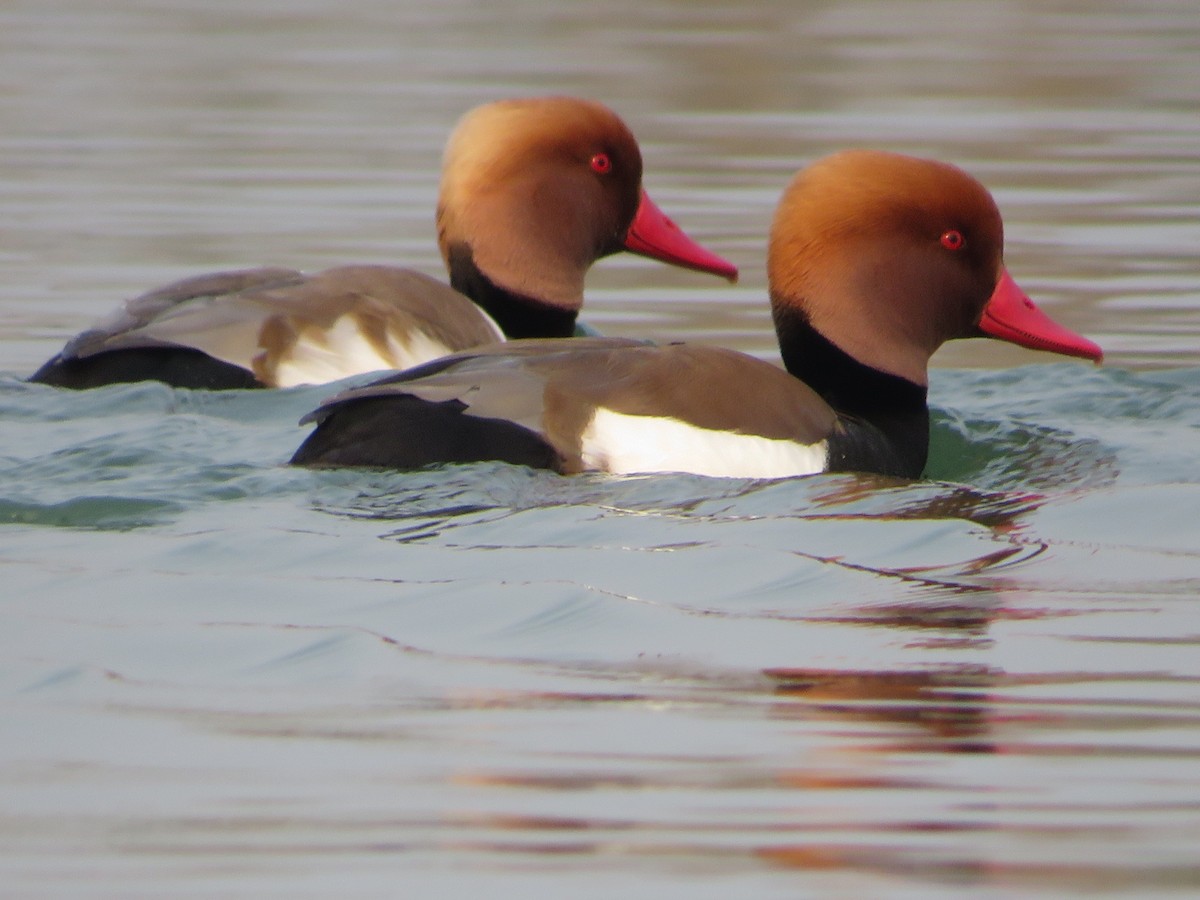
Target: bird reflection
(948, 708)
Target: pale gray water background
(222, 676)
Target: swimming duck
(875, 259)
(533, 191)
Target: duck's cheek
(624, 444)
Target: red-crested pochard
(533, 192)
(875, 260)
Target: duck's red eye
(601, 164)
(953, 240)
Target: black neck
(896, 407)
(517, 315)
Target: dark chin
(517, 315)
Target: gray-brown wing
(126, 327)
(555, 390)
(290, 328)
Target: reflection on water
(219, 663)
(225, 675)
(985, 712)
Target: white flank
(622, 444)
(343, 351)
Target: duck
(874, 260)
(533, 191)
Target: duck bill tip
(1011, 316)
(654, 235)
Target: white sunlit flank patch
(623, 444)
(344, 350)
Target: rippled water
(224, 675)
